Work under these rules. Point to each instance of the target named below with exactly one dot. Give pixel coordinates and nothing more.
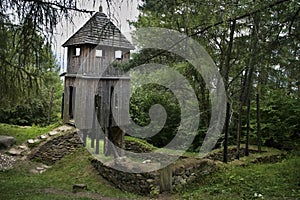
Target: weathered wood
(166, 179)
(99, 30)
(100, 92)
(84, 137)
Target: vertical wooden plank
(66, 102)
(97, 141)
(84, 136)
(166, 179)
(105, 146)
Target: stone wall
(141, 183)
(190, 170)
(185, 171)
(54, 149)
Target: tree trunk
(225, 74)
(258, 120)
(50, 105)
(225, 152)
(248, 127)
(239, 132)
(239, 125)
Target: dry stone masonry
(56, 148)
(146, 183)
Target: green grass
(19, 183)
(22, 134)
(272, 181)
(141, 142)
(233, 181)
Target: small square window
(99, 53)
(77, 51)
(118, 54)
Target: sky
(120, 11)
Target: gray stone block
(6, 141)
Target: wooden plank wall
(88, 65)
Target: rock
(36, 141)
(23, 147)
(30, 141)
(6, 141)
(43, 137)
(14, 152)
(64, 128)
(39, 168)
(150, 180)
(51, 133)
(46, 167)
(146, 161)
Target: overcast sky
(120, 12)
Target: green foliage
(264, 54)
(280, 120)
(26, 91)
(141, 102)
(28, 69)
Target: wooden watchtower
(90, 94)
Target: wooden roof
(99, 30)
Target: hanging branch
(231, 19)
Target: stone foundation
(54, 149)
(187, 172)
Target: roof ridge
(97, 30)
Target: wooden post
(93, 131)
(62, 105)
(166, 179)
(97, 132)
(92, 136)
(105, 146)
(84, 136)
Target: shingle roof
(99, 30)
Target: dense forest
(255, 46)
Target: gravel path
(6, 161)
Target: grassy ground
(23, 133)
(19, 183)
(270, 181)
(252, 181)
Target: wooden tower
(90, 95)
